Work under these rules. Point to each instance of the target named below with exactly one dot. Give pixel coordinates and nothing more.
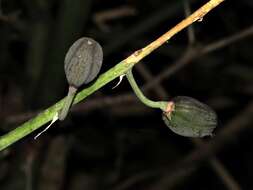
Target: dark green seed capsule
(82, 64)
(189, 117)
(83, 61)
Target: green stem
(153, 104)
(48, 114)
(67, 104)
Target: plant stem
(153, 104)
(118, 70)
(47, 115)
(67, 103)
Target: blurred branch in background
(150, 22)
(36, 57)
(102, 17)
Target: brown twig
(151, 21)
(100, 18)
(227, 41)
(196, 16)
(10, 18)
(190, 29)
(220, 170)
(226, 177)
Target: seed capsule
(189, 117)
(82, 64)
(83, 61)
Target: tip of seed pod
(170, 107)
(89, 42)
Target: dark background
(110, 140)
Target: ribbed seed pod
(83, 61)
(82, 64)
(189, 117)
